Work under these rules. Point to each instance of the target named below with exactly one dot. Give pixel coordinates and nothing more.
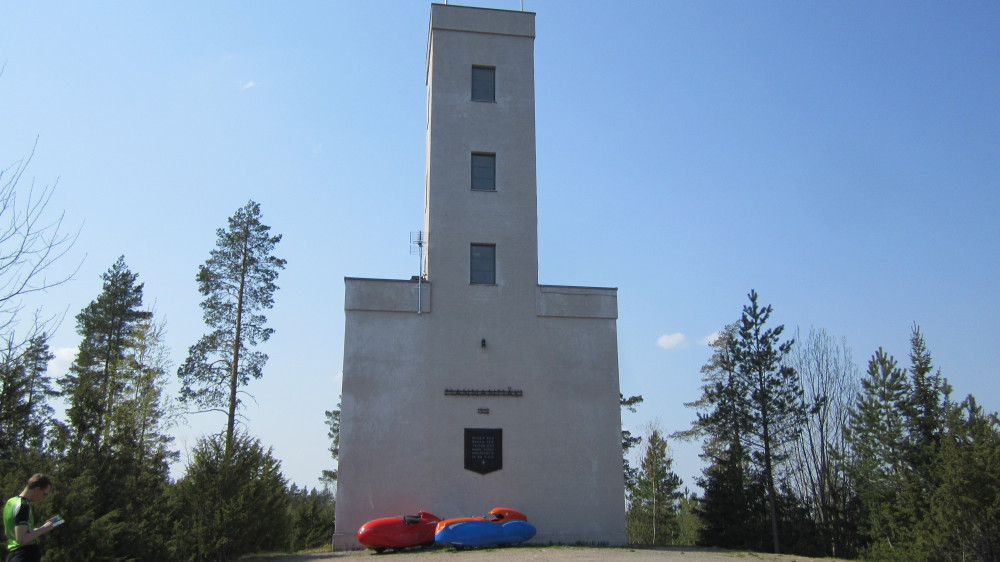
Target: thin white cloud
(64, 357)
(710, 338)
(672, 341)
(247, 85)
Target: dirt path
(567, 553)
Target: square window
(484, 172)
(483, 270)
(484, 83)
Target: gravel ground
(574, 553)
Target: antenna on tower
(417, 243)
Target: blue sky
(841, 158)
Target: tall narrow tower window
(484, 171)
(483, 270)
(484, 83)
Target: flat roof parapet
(482, 20)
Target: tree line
(806, 455)
(109, 454)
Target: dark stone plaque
(483, 450)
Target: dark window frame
(483, 268)
(483, 171)
(484, 83)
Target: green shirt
(17, 512)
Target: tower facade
(472, 386)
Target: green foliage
(876, 433)
(25, 390)
(333, 432)
(311, 517)
(927, 470)
(926, 419)
(777, 409)
(109, 516)
(732, 508)
(653, 501)
(722, 421)
(877, 424)
(96, 387)
(964, 518)
(752, 410)
(629, 441)
(689, 523)
(112, 477)
(229, 503)
(238, 283)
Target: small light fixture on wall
(483, 343)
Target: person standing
(19, 521)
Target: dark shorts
(30, 553)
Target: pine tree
(238, 283)
(877, 425)
(777, 408)
(629, 441)
(333, 423)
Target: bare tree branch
(32, 241)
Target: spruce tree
(731, 508)
(113, 474)
(311, 517)
(722, 418)
(926, 409)
(97, 378)
(229, 502)
(238, 283)
(25, 390)
(877, 436)
(689, 524)
(964, 518)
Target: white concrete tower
(481, 154)
(475, 387)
